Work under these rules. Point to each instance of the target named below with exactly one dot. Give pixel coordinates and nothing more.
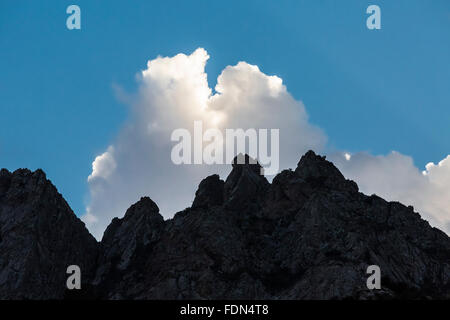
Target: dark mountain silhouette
(307, 235)
(40, 237)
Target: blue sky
(377, 90)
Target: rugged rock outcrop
(310, 234)
(127, 244)
(40, 237)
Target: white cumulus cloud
(173, 92)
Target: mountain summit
(310, 234)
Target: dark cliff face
(40, 237)
(308, 235)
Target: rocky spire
(245, 183)
(210, 192)
(317, 170)
(312, 166)
(125, 244)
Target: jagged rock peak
(126, 244)
(145, 206)
(244, 160)
(245, 182)
(144, 212)
(315, 166)
(244, 165)
(23, 177)
(41, 237)
(210, 192)
(4, 172)
(24, 172)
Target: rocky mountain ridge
(310, 234)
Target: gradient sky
(377, 91)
